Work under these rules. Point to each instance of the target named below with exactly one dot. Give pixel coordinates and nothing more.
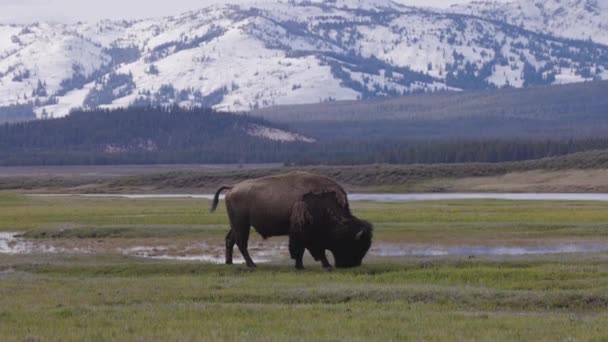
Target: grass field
(111, 296)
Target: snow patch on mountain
(276, 134)
(574, 19)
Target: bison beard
(313, 210)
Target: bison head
(352, 247)
(328, 221)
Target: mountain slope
(574, 19)
(242, 57)
(475, 126)
(564, 111)
(142, 130)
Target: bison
(311, 209)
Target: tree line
(155, 135)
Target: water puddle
(209, 254)
(12, 244)
(395, 250)
(264, 252)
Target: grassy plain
(110, 296)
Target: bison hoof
(228, 262)
(328, 268)
(252, 265)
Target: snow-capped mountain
(574, 19)
(239, 57)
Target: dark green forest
(153, 135)
(133, 135)
(546, 112)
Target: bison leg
(230, 241)
(242, 240)
(296, 250)
(324, 261)
(319, 255)
(239, 234)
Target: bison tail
(216, 198)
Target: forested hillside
(174, 135)
(553, 112)
(483, 126)
(141, 135)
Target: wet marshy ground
(81, 268)
(212, 251)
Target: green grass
(60, 297)
(23, 213)
(75, 216)
(128, 299)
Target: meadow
(106, 295)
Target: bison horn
(359, 235)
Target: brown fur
(275, 206)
